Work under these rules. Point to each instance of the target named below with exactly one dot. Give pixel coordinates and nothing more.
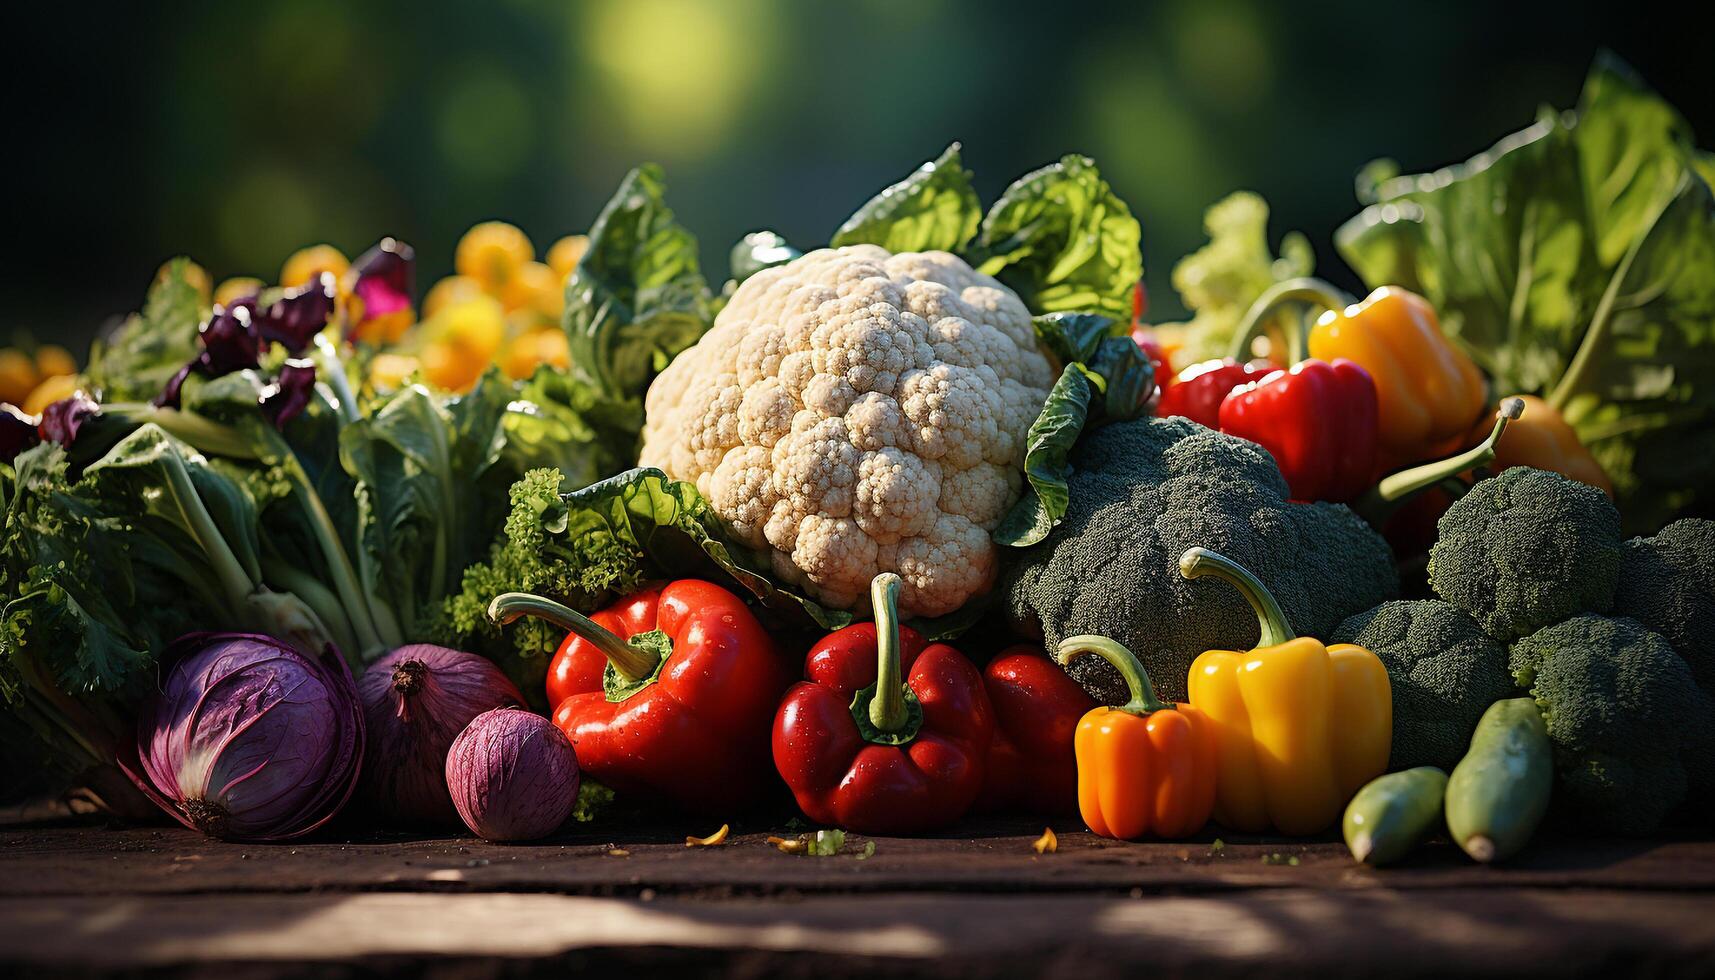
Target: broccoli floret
(1142, 492)
(1631, 729)
(1526, 549)
(1444, 672)
(1668, 584)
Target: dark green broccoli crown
(1143, 492)
(1668, 584)
(1444, 672)
(1525, 549)
(1631, 729)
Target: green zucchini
(1393, 813)
(1499, 791)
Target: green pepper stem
(631, 663)
(1143, 700)
(1273, 628)
(1394, 490)
(1314, 292)
(887, 710)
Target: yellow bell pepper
(1299, 727)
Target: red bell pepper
(682, 709)
(888, 734)
(1318, 420)
(578, 665)
(1037, 705)
(1198, 391)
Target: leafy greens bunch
(1575, 259)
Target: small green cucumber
(1393, 813)
(1499, 791)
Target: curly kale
(1142, 492)
(1526, 549)
(1668, 584)
(1444, 671)
(1632, 731)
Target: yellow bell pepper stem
(1314, 293)
(1394, 490)
(1143, 700)
(1273, 629)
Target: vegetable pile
(927, 521)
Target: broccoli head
(1526, 549)
(1144, 491)
(1668, 584)
(1631, 729)
(1444, 672)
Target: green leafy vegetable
(1219, 282)
(1106, 377)
(135, 362)
(1063, 240)
(637, 297)
(1576, 260)
(933, 209)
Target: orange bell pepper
(1145, 767)
(1299, 727)
(1544, 439)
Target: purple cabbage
(247, 738)
(17, 432)
(512, 775)
(62, 420)
(290, 393)
(416, 701)
(293, 320)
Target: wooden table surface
(78, 900)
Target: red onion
(416, 700)
(247, 738)
(513, 775)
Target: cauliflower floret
(853, 412)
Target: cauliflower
(853, 412)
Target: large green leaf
(1576, 259)
(1063, 240)
(637, 297)
(934, 208)
(136, 360)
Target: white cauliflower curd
(853, 412)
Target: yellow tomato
(529, 351)
(49, 391)
(232, 290)
(491, 253)
(389, 371)
(53, 360)
(17, 376)
(446, 292)
(446, 366)
(307, 263)
(566, 253)
(476, 327)
(535, 287)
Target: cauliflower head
(855, 411)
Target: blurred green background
(236, 132)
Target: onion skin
(513, 775)
(416, 701)
(247, 738)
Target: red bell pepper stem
(628, 661)
(1143, 700)
(1313, 292)
(1394, 490)
(887, 709)
(1271, 620)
